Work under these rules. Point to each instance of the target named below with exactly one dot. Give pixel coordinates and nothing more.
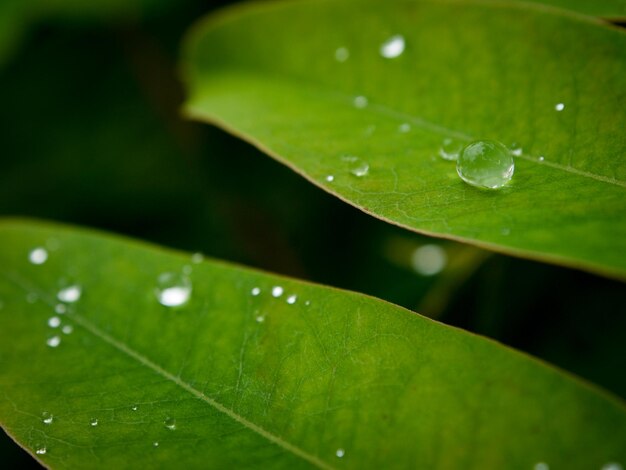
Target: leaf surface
(329, 379)
(610, 9)
(307, 83)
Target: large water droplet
(429, 260)
(450, 149)
(360, 102)
(340, 453)
(38, 255)
(392, 47)
(47, 418)
(54, 341)
(40, 450)
(342, 54)
(173, 289)
(486, 164)
(277, 291)
(93, 422)
(54, 322)
(70, 294)
(170, 423)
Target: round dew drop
(392, 47)
(173, 290)
(94, 422)
(450, 149)
(360, 102)
(70, 294)
(342, 54)
(46, 417)
(170, 423)
(54, 341)
(486, 164)
(292, 299)
(54, 322)
(277, 291)
(340, 453)
(38, 255)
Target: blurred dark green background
(91, 135)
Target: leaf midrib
(123, 348)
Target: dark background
(91, 134)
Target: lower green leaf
(115, 353)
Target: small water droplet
(32, 297)
(40, 450)
(393, 47)
(60, 309)
(54, 322)
(170, 423)
(155, 444)
(38, 255)
(516, 150)
(340, 453)
(541, 466)
(173, 289)
(405, 127)
(307, 303)
(70, 294)
(134, 407)
(67, 329)
(197, 258)
(47, 418)
(342, 54)
(255, 291)
(54, 341)
(93, 422)
(187, 270)
(559, 106)
(486, 164)
(277, 291)
(330, 178)
(360, 102)
(429, 260)
(260, 318)
(292, 299)
(505, 231)
(356, 166)
(612, 466)
(450, 149)
(541, 158)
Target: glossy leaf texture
(96, 372)
(311, 84)
(609, 9)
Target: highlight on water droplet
(93, 422)
(255, 291)
(541, 466)
(53, 341)
(47, 418)
(60, 309)
(340, 453)
(393, 47)
(559, 106)
(450, 149)
(54, 322)
(360, 102)
(486, 164)
(330, 178)
(40, 449)
(67, 329)
(155, 444)
(173, 290)
(429, 260)
(70, 294)
(516, 150)
(38, 255)
(292, 299)
(260, 318)
(541, 158)
(277, 291)
(342, 54)
(404, 127)
(170, 423)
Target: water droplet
(40, 450)
(360, 102)
(277, 291)
(187, 270)
(38, 255)
(450, 149)
(292, 299)
(342, 54)
(70, 294)
(54, 322)
(612, 466)
(170, 423)
(429, 260)
(330, 178)
(134, 407)
(67, 329)
(541, 158)
(155, 444)
(197, 258)
(392, 47)
(541, 466)
(46, 417)
(173, 289)
(340, 453)
(93, 422)
(54, 341)
(255, 291)
(516, 150)
(405, 127)
(260, 318)
(60, 309)
(559, 106)
(505, 231)
(307, 303)
(486, 164)
(32, 297)
(356, 166)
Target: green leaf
(610, 9)
(334, 379)
(470, 70)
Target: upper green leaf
(254, 370)
(308, 83)
(611, 9)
